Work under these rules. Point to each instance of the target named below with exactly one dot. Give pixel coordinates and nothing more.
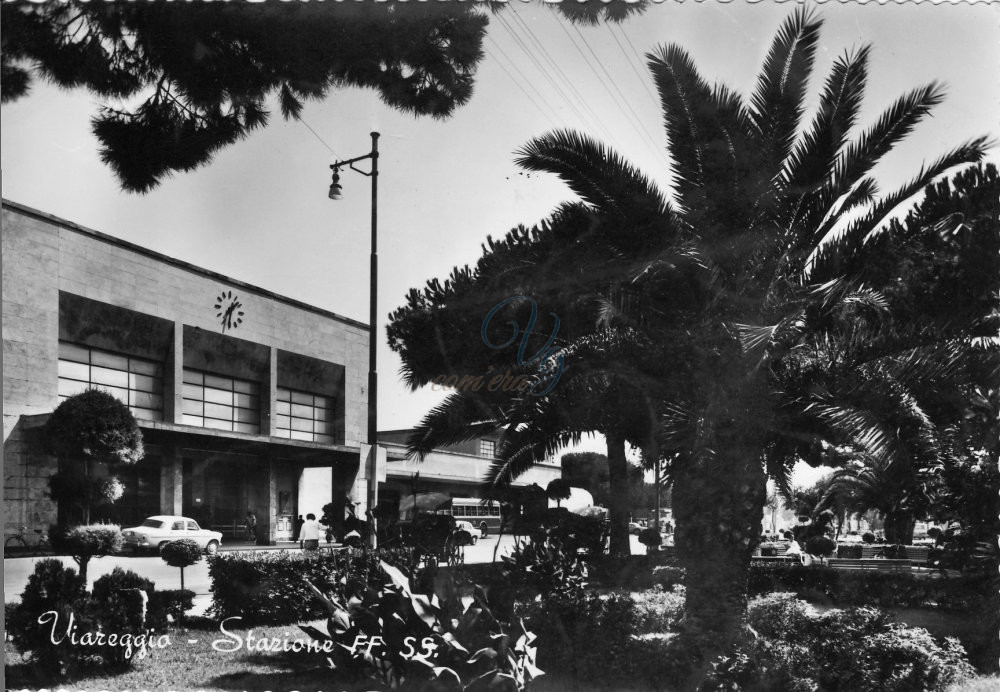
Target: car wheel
(212, 548)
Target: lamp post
(335, 189)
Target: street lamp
(335, 193)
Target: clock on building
(230, 312)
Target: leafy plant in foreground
(406, 640)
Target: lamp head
(335, 184)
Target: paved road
(16, 571)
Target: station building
(247, 400)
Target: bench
(784, 559)
(876, 564)
(917, 554)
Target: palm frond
(776, 105)
(601, 177)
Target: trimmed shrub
(856, 649)
(850, 552)
(668, 576)
(89, 541)
(51, 587)
(170, 602)
(182, 553)
(586, 637)
(658, 610)
(820, 545)
(867, 537)
(650, 538)
(270, 587)
(106, 586)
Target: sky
(259, 211)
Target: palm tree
(759, 334)
(759, 267)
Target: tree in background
(205, 74)
(87, 431)
(558, 489)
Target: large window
(487, 448)
(136, 382)
(305, 416)
(224, 403)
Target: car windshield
(153, 523)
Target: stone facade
(64, 282)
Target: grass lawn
(190, 663)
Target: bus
(485, 517)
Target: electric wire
(321, 140)
(632, 64)
(551, 113)
(585, 109)
(624, 100)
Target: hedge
(869, 588)
(270, 587)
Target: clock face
(229, 310)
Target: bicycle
(18, 545)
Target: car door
(195, 533)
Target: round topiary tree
(650, 538)
(87, 542)
(868, 537)
(87, 429)
(821, 546)
(558, 490)
(182, 553)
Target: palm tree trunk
(719, 509)
(899, 525)
(619, 504)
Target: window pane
(324, 414)
(193, 377)
(282, 433)
(283, 422)
(246, 415)
(323, 402)
(325, 439)
(218, 424)
(108, 360)
(192, 526)
(144, 367)
(246, 400)
(70, 387)
(302, 424)
(302, 398)
(74, 371)
(247, 428)
(193, 391)
(115, 378)
(302, 411)
(284, 394)
(218, 411)
(296, 435)
(218, 396)
(117, 392)
(193, 407)
(283, 408)
(144, 400)
(192, 420)
(74, 352)
(145, 383)
(146, 413)
(246, 387)
(327, 428)
(218, 382)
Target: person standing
(309, 533)
(251, 525)
(298, 525)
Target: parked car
(635, 527)
(159, 530)
(467, 527)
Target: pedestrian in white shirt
(309, 533)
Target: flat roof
(111, 240)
